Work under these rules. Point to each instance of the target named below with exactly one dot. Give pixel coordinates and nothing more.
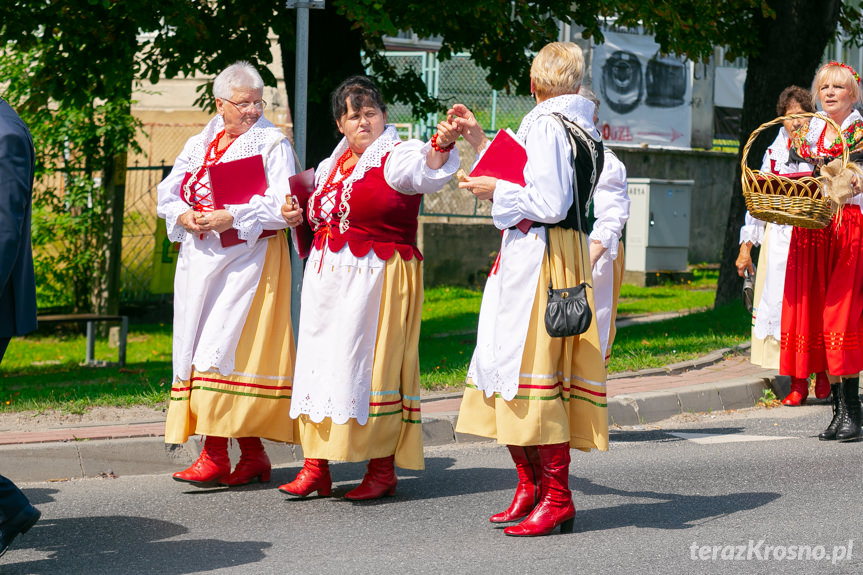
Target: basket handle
(743, 165)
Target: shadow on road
(102, 544)
(671, 511)
(664, 435)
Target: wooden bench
(91, 319)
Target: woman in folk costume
(356, 384)
(774, 240)
(611, 210)
(538, 395)
(822, 308)
(233, 341)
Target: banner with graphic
(164, 260)
(646, 96)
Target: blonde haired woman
(538, 395)
(822, 308)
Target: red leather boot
(314, 476)
(822, 385)
(254, 465)
(555, 508)
(379, 480)
(799, 392)
(527, 491)
(211, 467)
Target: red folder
(505, 159)
(235, 183)
(302, 187)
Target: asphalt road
(749, 492)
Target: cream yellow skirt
(763, 352)
(253, 401)
(561, 394)
(395, 423)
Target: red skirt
(822, 307)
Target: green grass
(448, 335)
(41, 371)
(662, 343)
(697, 294)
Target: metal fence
(455, 80)
(460, 80)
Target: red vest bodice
(380, 218)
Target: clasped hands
(196, 222)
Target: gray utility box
(657, 233)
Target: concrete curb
(653, 406)
(126, 454)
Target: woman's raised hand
(466, 124)
(447, 134)
(292, 212)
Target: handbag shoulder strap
(565, 124)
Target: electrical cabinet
(657, 233)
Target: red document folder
(302, 187)
(235, 183)
(505, 159)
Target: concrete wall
(460, 250)
(713, 173)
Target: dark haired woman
(356, 385)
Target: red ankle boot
(799, 392)
(822, 385)
(314, 476)
(555, 508)
(211, 467)
(528, 489)
(379, 480)
(254, 464)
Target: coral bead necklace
(214, 154)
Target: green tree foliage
(83, 58)
(69, 69)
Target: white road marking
(713, 438)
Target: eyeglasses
(246, 106)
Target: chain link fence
(454, 80)
(457, 80)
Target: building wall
(460, 250)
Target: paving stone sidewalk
(722, 380)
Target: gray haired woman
(233, 340)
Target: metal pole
(299, 117)
(301, 83)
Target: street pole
(298, 119)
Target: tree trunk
(110, 281)
(792, 47)
(334, 54)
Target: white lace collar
(371, 158)
(818, 123)
(250, 143)
(576, 108)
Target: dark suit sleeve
(15, 194)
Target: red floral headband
(847, 67)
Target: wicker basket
(780, 200)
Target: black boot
(849, 392)
(829, 434)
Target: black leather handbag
(567, 312)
